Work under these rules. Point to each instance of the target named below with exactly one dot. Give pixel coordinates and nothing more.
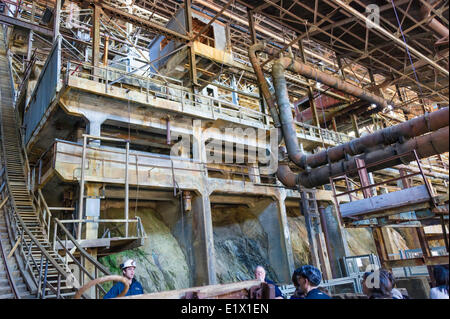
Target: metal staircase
(43, 265)
(29, 266)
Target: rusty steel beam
(170, 34)
(390, 36)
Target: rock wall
(161, 263)
(240, 244)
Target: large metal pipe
(425, 146)
(434, 24)
(286, 117)
(265, 91)
(331, 81)
(415, 127)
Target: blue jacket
(135, 289)
(317, 294)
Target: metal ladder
(310, 210)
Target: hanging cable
(407, 50)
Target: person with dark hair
(298, 293)
(396, 294)
(441, 278)
(260, 273)
(377, 284)
(308, 279)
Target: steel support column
(96, 38)
(309, 89)
(191, 52)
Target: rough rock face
(240, 245)
(161, 264)
(299, 238)
(360, 241)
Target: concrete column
(92, 211)
(285, 233)
(203, 241)
(273, 220)
(198, 145)
(253, 172)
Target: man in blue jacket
(135, 288)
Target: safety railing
(80, 263)
(350, 189)
(63, 237)
(415, 253)
(318, 133)
(366, 189)
(36, 259)
(157, 86)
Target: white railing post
(80, 201)
(126, 188)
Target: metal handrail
(182, 92)
(98, 266)
(19, 230)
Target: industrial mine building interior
(204, 138)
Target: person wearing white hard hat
(135, 288)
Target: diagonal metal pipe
(329, 80)
(286, 117)
(265, 91)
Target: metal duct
(425, 146)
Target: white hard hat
(128, 263)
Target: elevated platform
(387, 204)
(105, 246)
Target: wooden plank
(405, 197)
(206, 291)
